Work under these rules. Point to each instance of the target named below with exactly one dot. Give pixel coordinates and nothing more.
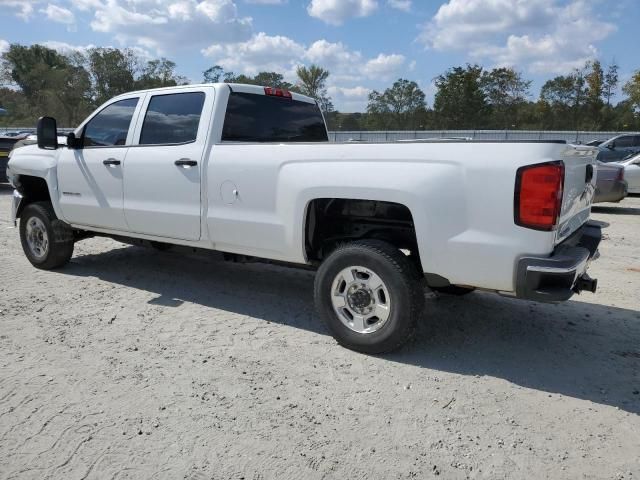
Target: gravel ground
(130, 363)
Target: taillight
(538, 195)
(620, 176)
(277, 92)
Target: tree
(460, 101)
(632, 90)
(214, 74)
(159, 73)
(400, 107)
(610, 82)
(51, 83)
(506, 92)
(563, 99)
(112, 72)
(312, 82)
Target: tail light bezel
(547, 227)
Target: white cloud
(335, 12)
(404, 5)
(543, 36)
(267, 2)
(350, 99)
(59, 14)
(260, 53)
(383, 65)
(22, 8)
(4, 45)
(278, 53)
(67, 48)
(168, 25)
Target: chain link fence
(392, 136)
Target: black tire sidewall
(400, 323)
(59, 251)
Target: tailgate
(580, 172)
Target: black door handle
(111, 161)
(185, 162)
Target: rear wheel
(46, 241)
(370, 296)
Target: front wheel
(370, 296)
(46, 241)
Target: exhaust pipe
(585, 282)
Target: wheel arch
(329, 221)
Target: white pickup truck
(249, 171)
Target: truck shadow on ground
(582, 350)
(616, 210)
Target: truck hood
(31, 160)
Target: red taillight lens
(538, 196)
(277, 92)
(620, 175)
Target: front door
(90, 178)
(164, 167)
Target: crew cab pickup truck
(249, 171)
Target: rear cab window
(252, 117)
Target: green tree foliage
(632, 90)
(36, 80)
(460, 101)
(400, 107)
(112, 72)
(159, 73)
(312, 81)
(506, 92)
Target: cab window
(172, 118)
(110, 126)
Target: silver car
(617, 148)
(632, 172)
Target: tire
(400, 298)
(453, 290)
(39, 225)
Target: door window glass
(624, 142)
(110, 127)
(172, 118)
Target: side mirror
(47, 131)
(73, 141)
(611, 146)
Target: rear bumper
(616, 192)
(558, 277)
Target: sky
(365, 44)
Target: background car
(619, 147)
(610, 183)
(6, 145)
(631, 167)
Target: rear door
(90, 177)
(164, 167)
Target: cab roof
(234, 87)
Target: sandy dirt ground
(131, 363)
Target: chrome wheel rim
(361, 299)
(37, 238)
